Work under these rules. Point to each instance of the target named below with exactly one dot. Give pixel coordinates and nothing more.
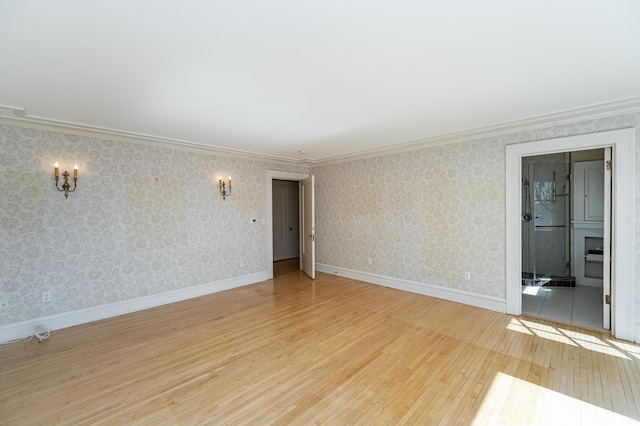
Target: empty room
(319, 212)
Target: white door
(606, 242)
(308, 258)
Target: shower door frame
(534, 231)
(622, 143)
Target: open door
(606, 242)
(307, 198)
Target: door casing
(622, 143)
(271, 175)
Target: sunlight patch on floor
(511, 400)
(547, 332)
(593, 343)
(571, 338)
(533, 291)
(515, 325)
(630, 348)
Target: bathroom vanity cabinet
(588, 222)
(587, 253)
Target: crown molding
(18, 117)
(608, 109)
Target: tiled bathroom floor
(580, 305)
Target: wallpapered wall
(433, 214)
(144, 220)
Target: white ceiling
(329, 77)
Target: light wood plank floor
(333, 351)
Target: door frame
(622, 143)
(278, 175)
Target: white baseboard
(460, 296)
(22, 329)
(636, 337)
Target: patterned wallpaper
(425, 216)
(147, 219)
(433, 214)
(144, 220)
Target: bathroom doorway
(623, 219)
(563, 272)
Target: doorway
(295, 178)
(286, 223)
(563, 227)
(622, 143)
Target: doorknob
(290, 229)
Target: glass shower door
(546, 248)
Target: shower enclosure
(545, 214)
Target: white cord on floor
(39, 331)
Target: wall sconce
(65, 176)
(223, 187)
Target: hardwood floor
(333, 351)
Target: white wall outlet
(467, 275)
(369, 260)
(4, 304)
(240, 264)
(262, 221)
(46, 296)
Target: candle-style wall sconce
(65, 175)
(223, 188)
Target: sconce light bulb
(75, 167)
(56, 165)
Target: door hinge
(607, 299)
(609, 165)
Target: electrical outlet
(369, 260)
(46, 296)
(4, 304)
(241, 264)
(467, 275)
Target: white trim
(131, 137)
(18, 116)
(271, 175)
(450, 294)
(608, 109)
(637, 335)
(22, 329)
(623, 235)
